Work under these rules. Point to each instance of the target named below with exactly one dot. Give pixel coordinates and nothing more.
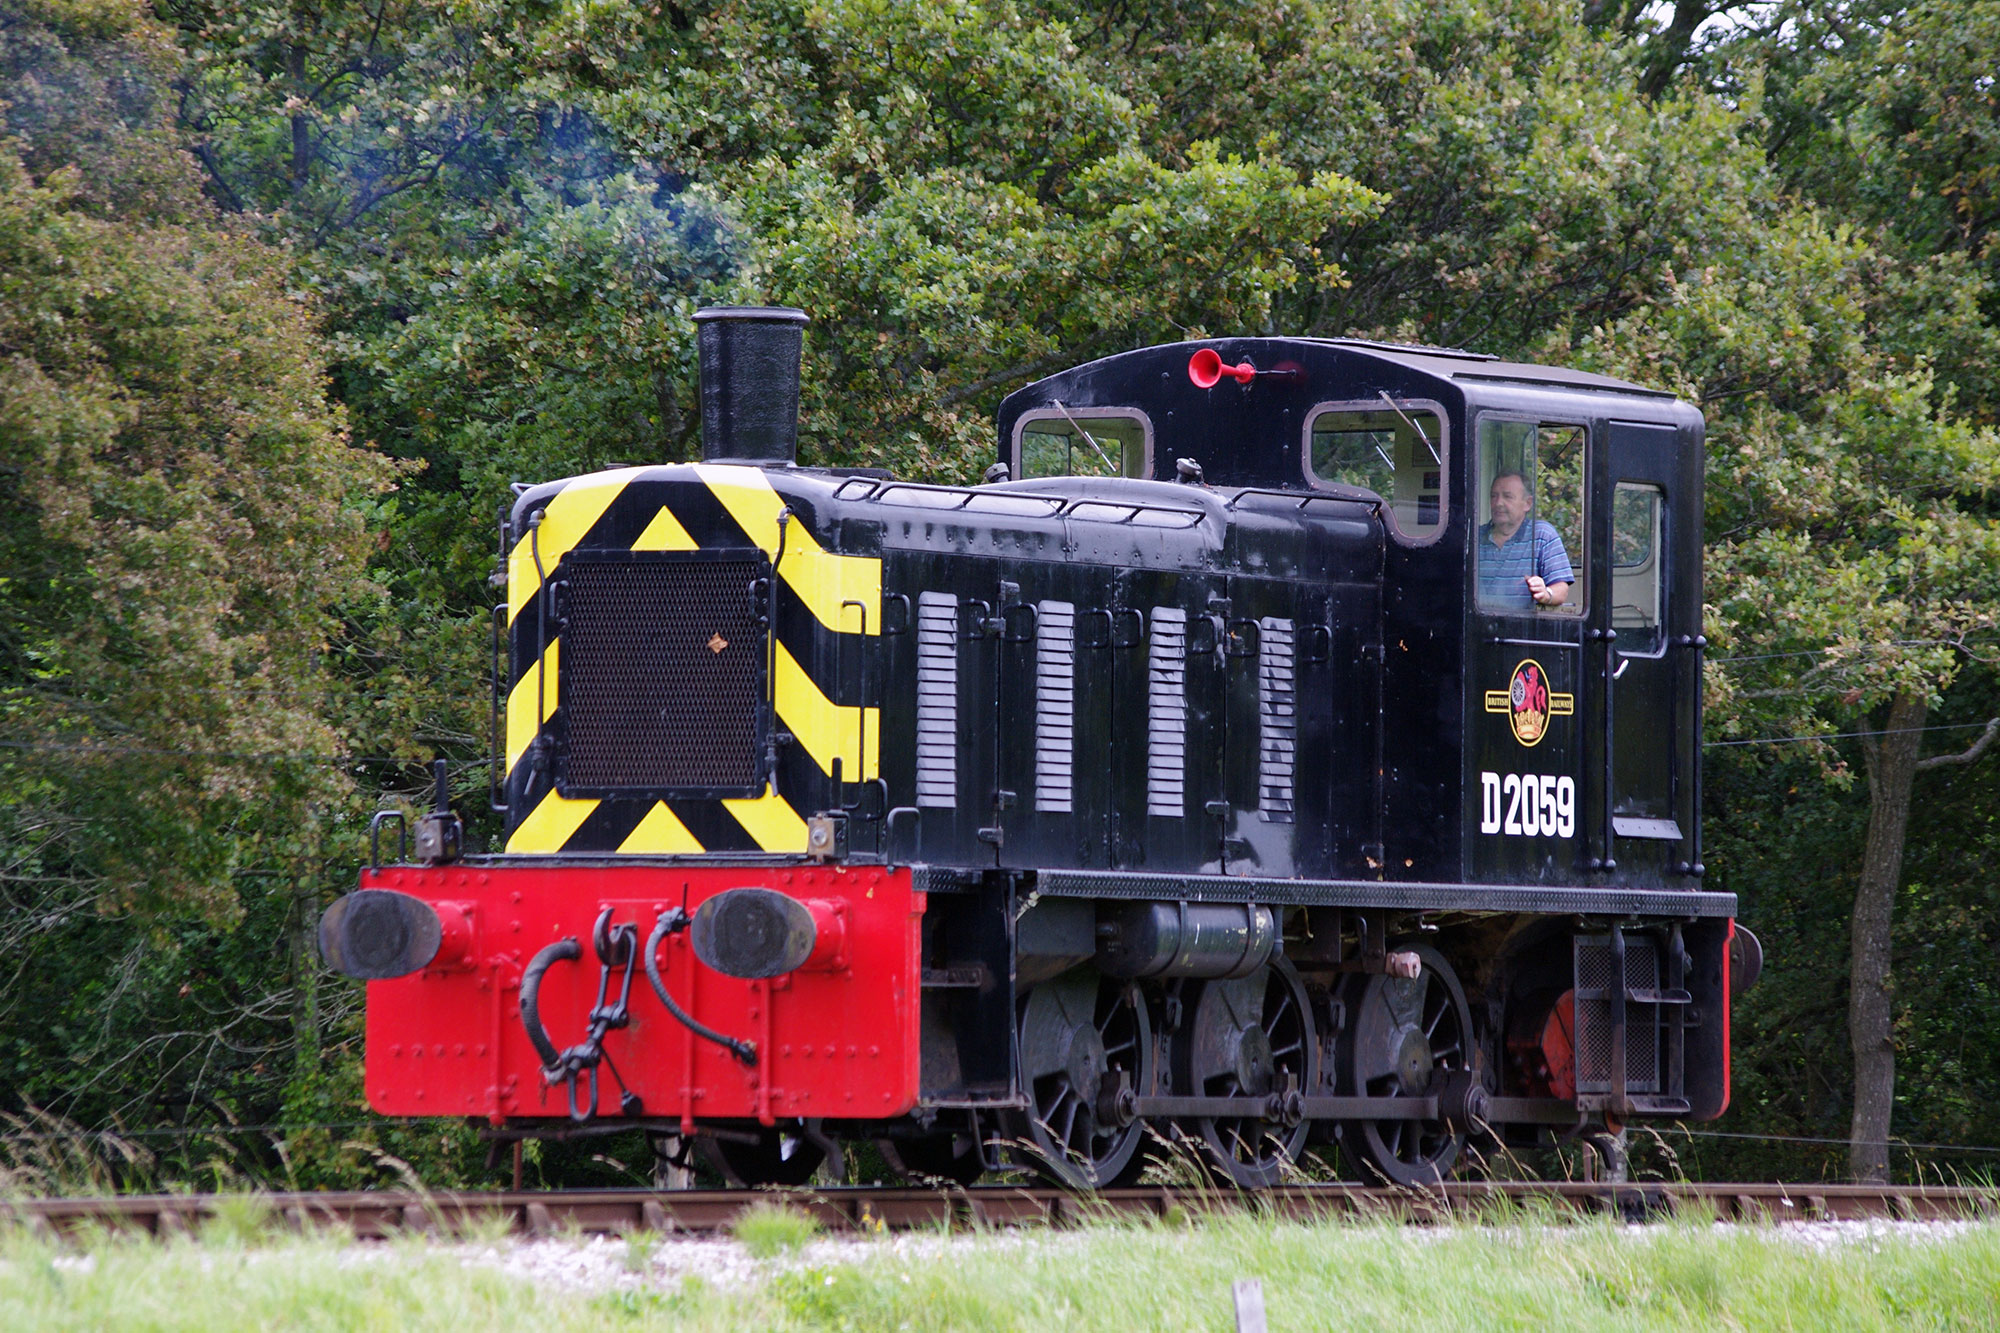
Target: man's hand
(1547, 594)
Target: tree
(181, 513)
(1882, 114)
(1854, 556)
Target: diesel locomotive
(1213, 772)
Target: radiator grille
(1593, 1015)
(1055, 707)
(661, 682)
(937, 699)
(1166, 714)
(1277, 721)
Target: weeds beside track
(373, 1215)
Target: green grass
(1519, 1275)
(768, 1230)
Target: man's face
(1510, 504)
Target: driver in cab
(1522, 564)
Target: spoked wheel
(1251, 1037)
(781, 1156)
(1079, 1033)
(948, 1157)
(1404, 1037)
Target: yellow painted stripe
(823, 582)
(661, 831)
(825, 728)
(521, 722)
(551, 824)
(664, 533)
(771, 821)
(565, 520)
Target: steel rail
(378, 1215)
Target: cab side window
(1399, 453)
(1638, 568)
(1529, 540)
(1062, 444)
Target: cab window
(1529, 539)
(1638, 568)
(1056, 443)
(1397, 452)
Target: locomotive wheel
(1253, 1037)
(780, 1156)
(1079, 1033)
(1403, 1036)
(950, 1157)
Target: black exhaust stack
(750, 383)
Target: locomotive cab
(1611, 476)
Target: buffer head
(753, 933)
(375, 934)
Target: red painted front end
(835, 1039)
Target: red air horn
(1206, 369)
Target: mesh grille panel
(1642, 1021)
(660, 681)
(1593, 1019)
(1593, 1015)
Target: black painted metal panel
(1410, 897)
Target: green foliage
(1315, 1275)
(1854, 549)
(182, 510)
(182, 516)
(771, 1229)
(87, 86)
(1527, 185)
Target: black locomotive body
(1245, 795)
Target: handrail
(974, 499)
(1535, 643)
(1302, 499)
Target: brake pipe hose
(531, 992)
(671, 923)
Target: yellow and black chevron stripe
(827, 611)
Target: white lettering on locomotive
(1527, 805)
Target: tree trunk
(302, 929)
(1892, 767)
(302, 149)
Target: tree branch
(1970, 754)
(1011, 373)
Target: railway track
(378, 1215)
